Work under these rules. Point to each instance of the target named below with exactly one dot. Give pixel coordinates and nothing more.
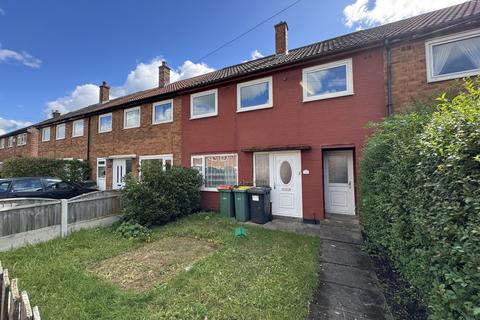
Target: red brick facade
(69, 147)
(30, 149)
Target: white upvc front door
(101, 173)
(283, 172)
(119, 168)
(339, 182)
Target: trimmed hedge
(68, 170)
(420, 191)
(161, 196)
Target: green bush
(420, 191)
(68, 170)
(161, 196)
(132, 230)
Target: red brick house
(294, 120)
(19, 143)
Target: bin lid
(259, 190)
(242, 188)
(225, 187)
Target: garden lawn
(267, 275)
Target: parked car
(40, 187)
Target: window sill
(162, 122)
(268, 106)
(328, 96)
(126, 128)
(204, 116)
(105, 131)
(452, 76)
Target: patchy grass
(267, 275)
(143, 268)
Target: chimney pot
(55, 114)
(281, 38)
(104, 92)
(163, 75)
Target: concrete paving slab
(359, 302)
(348, 276)
(352, 258)
(340, 234)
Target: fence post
(64, 225)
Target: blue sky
(54, 53)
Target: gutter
(389, 106)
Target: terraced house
(294, 121)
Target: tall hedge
(420, 191)
(68, 170)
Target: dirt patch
(141, 269)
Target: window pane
(457, 56)
(168, 164)
(197, 163)
(327, 81)
(132, 118)
(78, 128)
(101, 171)
(163, 112)
(262, 170)
(204, 104)
(337, 169)
(61, 131)
(254, 95)
(128, 165)
(286, 172)
(30, 185)
(4, 186)
(106, 123)
(220, 170)
(46, 134)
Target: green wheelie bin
(227, 204)
(242, 204)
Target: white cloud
(256, 55)
(7, 125)
(368, 13)
(144, 76)
(22, 57)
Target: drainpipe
(88, 138)
(389, 106)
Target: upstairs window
(204, 104)
(77, 128)
(453, 56)
(46, 134)
(162, 112)
(105, 123)
(2, 143)
(131, 118)
(256, 94)
(10, 142)
(328, 80)
(22, 139)
(60, 132)
(217, 170)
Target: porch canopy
(301, 147)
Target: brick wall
(409, 75)
(70, 147)
(148, 139)
(28, 150)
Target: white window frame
(162, 157)
(125, 118)
(64, 131)
(161, 103)
(349, 70)
(203, 156)
(204, 93)
(73, 128)
(49, 134)
(442, 40)
(2, 143)
(100, 117)
(269, 104)
(22, 139)
(10, 141)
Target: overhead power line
(248, 31)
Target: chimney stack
(55, 114)
(104, 92)
(163, 75)
(281, 38)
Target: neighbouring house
(19, 143)
(294, 121)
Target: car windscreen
(27, 185)
(4, 186)
(59, 185)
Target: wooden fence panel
(6, 204)
(30, 217)
(92, 206)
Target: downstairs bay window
(217, 169)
